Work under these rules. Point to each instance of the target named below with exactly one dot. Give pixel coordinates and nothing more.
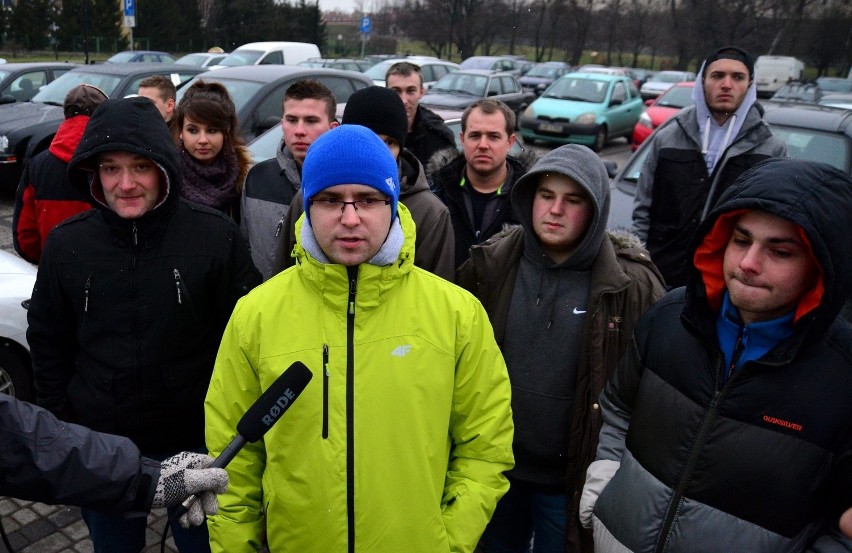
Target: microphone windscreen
(274, 402)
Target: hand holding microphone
(188, 473)
(256, 422)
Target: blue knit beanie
(350, 154)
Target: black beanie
(730, 53)
(379, 109)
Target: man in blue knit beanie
(393, 446)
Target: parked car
(27, 128)
(811, 132)
(264, 146)
(584, 108)
(432, 69)
(661, 110)
(19, 82)
(542, 75)
(17, 278)
(504, 64)
(350, 64)
(663, 81)
(202, 59)
(141, 56)
(795, 91)
(270, 53)
(258, 91)
(834, 84)
(462, 88)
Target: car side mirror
(267, 124)
(611, 167)
(7, 99)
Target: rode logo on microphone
(281, 405)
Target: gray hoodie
(714, 137)
(544, 335)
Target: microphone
(260, 417)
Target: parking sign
(366, 24)
(129, 13)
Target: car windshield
(477, 63)
(242, 57)
(669, 77)
(461, 83)
(835, 85)
(811, 145)
(122, 57)
(676, 97)
(193, 59)
(580, 90)
(55, 92)
(540, 71)
(241, 91)
(378, 71)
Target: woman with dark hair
(213, 157)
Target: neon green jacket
(398, 445)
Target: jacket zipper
(325, 391)
(279, 227)
(352, 273)
(86, 289)
(177, 285)
(692, 459)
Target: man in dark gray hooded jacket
(697, 155)
(562, 295)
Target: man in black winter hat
(696, 156)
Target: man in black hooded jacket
(726, 425)
(131, 299)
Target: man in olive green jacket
(563, 295)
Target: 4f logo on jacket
(401, 351)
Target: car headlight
(586, 119)
(529, 112)
(645, 121)
(4, 143)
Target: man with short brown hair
(160, 90)
(476, 185)
(308, 111)
(427, 132)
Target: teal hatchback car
(584, 108)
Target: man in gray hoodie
(563, 296)
(697, 155)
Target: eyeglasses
(330, 205)
(137, 169)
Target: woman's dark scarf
(213, 185)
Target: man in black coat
(131, 299)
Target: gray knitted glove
(185, 474)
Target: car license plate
(549, 127)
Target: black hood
(130, 125)
(816, 197)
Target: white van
(270, 53)
(772, 72)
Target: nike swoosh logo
(578, 312)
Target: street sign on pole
(366, 24)
(130, 13)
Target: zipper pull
(353, 286)
(279, 227)
(86, 289)
(177, 285)
(135, 234)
